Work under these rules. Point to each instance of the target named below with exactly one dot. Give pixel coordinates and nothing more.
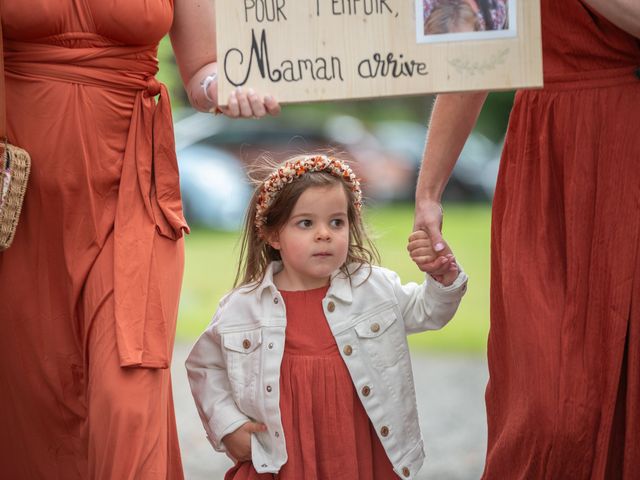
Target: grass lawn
(211, 259)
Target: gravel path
(450, 392)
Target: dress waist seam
(593, 79)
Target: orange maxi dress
(327, 431)
(89, 289)
(563, 400)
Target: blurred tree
(495, 115)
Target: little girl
(304, 371)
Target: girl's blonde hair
(256, 253)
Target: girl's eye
(305, 223)
(337, 222)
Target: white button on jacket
(234, 367)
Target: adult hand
(193, 37)
(428, 218)
(246, 103)
(238, 443)
(249, 104)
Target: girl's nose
(323, 233)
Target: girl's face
(314, 241)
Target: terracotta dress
(564, 346)
(89, 290)
(327, 431)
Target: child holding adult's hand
(425, 257)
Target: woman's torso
(577, 40)
(74, 70)
(82, 99)
(125, 22)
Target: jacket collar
(340, 284)
(340, 287)
(267, 282)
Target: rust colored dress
(89, 289)
(563, 400)
(327, 431)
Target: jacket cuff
(450, 293)
(216, 432)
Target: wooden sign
(311, 50)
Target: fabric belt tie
(149, 202)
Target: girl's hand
(442, 267)
(238, 443)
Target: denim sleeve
(211, 388)
(429, 305)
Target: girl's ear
(273, 240)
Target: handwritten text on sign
(302, 50)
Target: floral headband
(294, 169)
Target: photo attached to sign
(456, 20)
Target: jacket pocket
(382, 337)
(242, 353)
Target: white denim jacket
(234, 367)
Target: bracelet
(205, 86)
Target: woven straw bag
(14, 170)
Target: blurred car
(387, 173)
(215, 191)
(214, 154)
(474, 175)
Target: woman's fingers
(256, 104)
(272, 106)
(428, 217)
(232, 109)
(249, 104)
(243, 103)
(436, 239)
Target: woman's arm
(625, 14)
(193, 36)
(454, 116)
